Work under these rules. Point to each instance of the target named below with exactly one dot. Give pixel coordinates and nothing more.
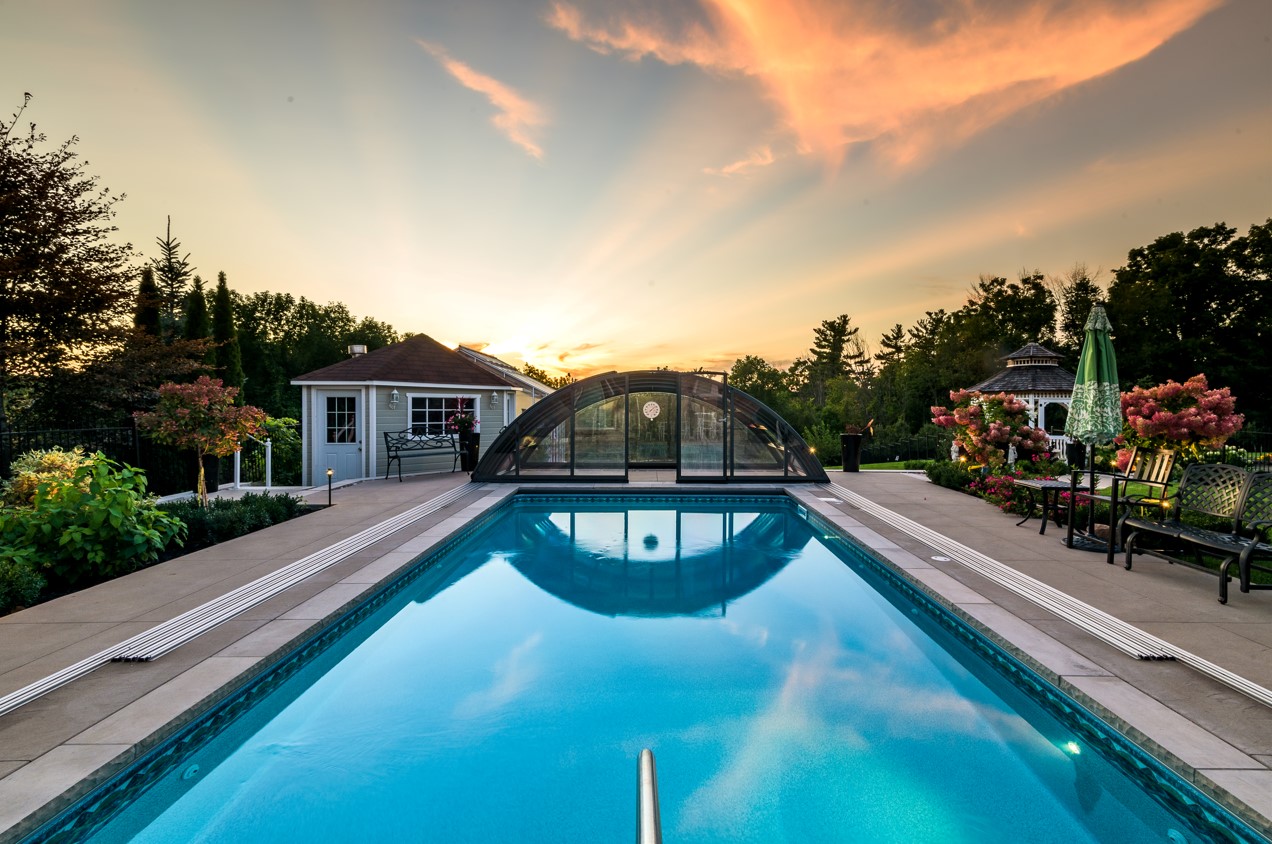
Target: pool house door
(339, 437)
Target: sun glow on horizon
(594, 185)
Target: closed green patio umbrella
(1095, 412)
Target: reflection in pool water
(507, 694)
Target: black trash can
(1075, 454)
(850, 445)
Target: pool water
(788, 693)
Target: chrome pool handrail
(648, 821)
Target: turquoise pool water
(789, 693)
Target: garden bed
(70, 520)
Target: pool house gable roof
(415, 360)
(506, 371)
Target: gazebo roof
(1033, 368)
(1028, 379)
(1032, 350)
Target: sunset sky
(597, 185)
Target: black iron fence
(929, 446)
(168, 470)
(1251, 449)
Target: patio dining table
(1047, 492)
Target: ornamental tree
(203, 417)
(985, 426)
(1184, 417)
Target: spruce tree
(146, 315)
(229, 359)
(198, 325)
(174, 272)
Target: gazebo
(1034, 376)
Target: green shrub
(1042, 466)
(825, 444)
(950, 474)
(227, 518)
(97, 524)
(20, 583)
(918, 464)
(285, 441)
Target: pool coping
(33, 793)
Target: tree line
(89, 328)
(1185, 304)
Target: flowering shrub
(985, 426)
(1183, 416)
(37, 467)
(1000, 490)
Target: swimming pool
(503, 690)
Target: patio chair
(1147, 467)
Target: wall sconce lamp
(494, 399)
(394, 398)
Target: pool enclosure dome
(603, 427)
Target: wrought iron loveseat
(1222, 492)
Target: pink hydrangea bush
(985, 426)
(1186, 417)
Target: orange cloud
(516, 117)
(761, 157)
(841, 72)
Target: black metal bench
(397, 443)
(1222, 492)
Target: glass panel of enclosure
(545, 454)
(703, 428)
(798, 455)
(759, 446)
(600, 428)
(652, 429)
(693, 422)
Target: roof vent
(357, 349)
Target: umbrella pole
(1073, 489)
(1091, 490)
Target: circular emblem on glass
(651, 410)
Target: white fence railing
(269, 463)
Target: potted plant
(463, 424)
(850, 444)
